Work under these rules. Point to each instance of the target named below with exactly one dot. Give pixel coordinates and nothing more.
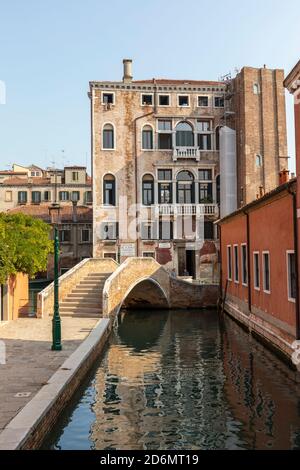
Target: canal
(183, 380)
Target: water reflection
(183, 380)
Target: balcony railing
(186, 152)
(187, 209)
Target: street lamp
(54, 211)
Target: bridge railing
(70, 279)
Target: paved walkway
(29, 359)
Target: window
(109, 230)
(22, 197)
(256, 89)
(147, 100)
(203, 101)
(148, 231)
(47, 195)
(164, 134)
(108, 98)
(256, 271)
(165, 230)
(164, 100)
(64, 195)
(8, 196)
(185, 188)
(183, 100)
(109, 190)
(291, 276)
(148, 254)
(148, 190)
(208, 230)
(165, 193)
(219, 102)
(244, 265)
(258, 161)
(36, 197)
(205, 174)
(32, 173)
(205, 193)
(165, 175)
(108, 137)
(165, 189)
(204, 126)
(236, 263)
(147, 138)
(164, 125)
(184, 135)
(64, 236)
(88, 197)
(229, 263)
(204, 141)
(75, 196)
(75, 175)
(85, 235)
(110, 255)
(266, 272)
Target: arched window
(108, 137)
(184, 135)
(256, 89)
(109, 190)
(185, 188)
(258, 161)
(147, 138)
(148, 190)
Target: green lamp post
(56, 321)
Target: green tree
(24, 245)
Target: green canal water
(183, 380)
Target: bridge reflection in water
(183, 380)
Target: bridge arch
(138, 281)
(146, 293)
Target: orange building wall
(18, 300)
(271, 229)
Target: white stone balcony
(186, 153)
(187, 209)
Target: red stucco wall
(271, 229)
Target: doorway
(186, 262)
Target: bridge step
(87, 310)
(86, 298)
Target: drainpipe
(136, 166)
(296, 250)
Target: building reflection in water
(186, 380)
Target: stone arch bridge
(136, 283)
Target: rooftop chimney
(284, 176)
(127, 66)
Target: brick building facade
(156, 150)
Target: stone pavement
(29, 360)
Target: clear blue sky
(49, 50)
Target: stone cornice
(160, 88)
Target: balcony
(186, 153)
(187, 209)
